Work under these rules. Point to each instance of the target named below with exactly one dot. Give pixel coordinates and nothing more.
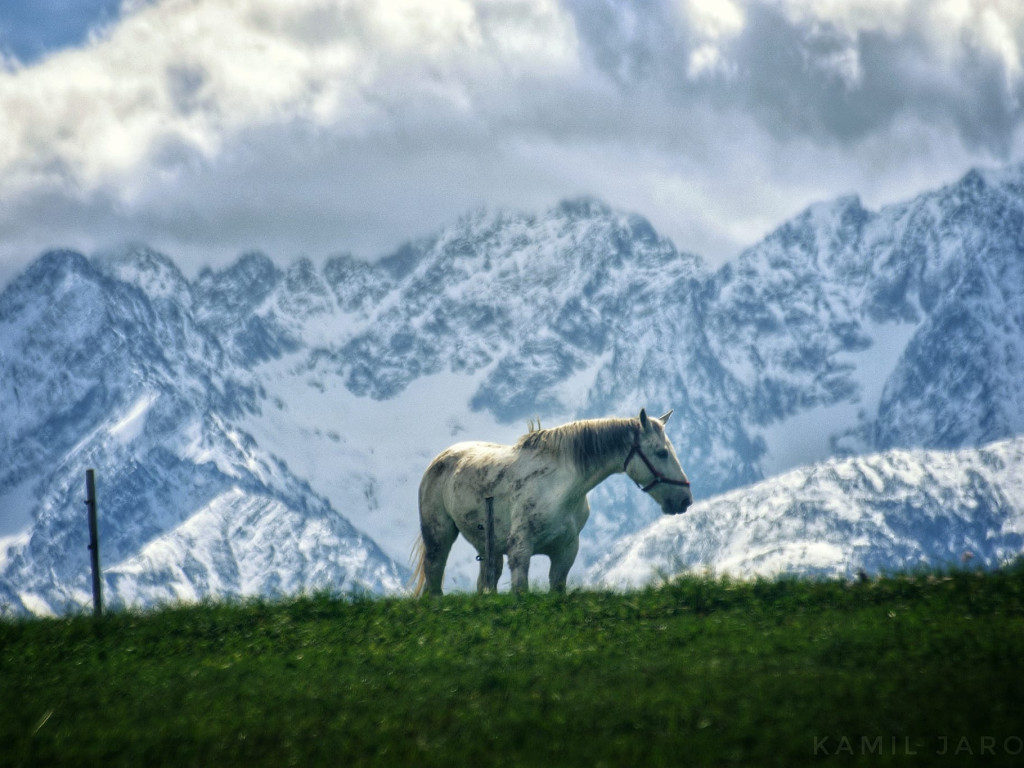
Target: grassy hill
(920, 670)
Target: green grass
(698, 672)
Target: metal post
(490, 555)
(94, 542)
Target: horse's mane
(584, 442)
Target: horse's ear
(645, 423)
(664, 418)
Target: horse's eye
(662, 453)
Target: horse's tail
(419, 574)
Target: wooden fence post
(94, 542)
(490, 555)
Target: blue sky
(29, 29)
(309, 127)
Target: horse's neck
(609, 462)
(588, 482)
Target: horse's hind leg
(437, 528)
(439, 533)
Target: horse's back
(477, 465)
(455, 486)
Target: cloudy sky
(309, 127)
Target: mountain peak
(226, 298)
(149, 270)
(974, 181)
(583, 207)
(53, 273)
(55, 264)
(304, 291)
(248, 271)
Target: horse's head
(652, 464)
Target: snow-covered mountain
(262, 428)
(103, 366)
(903, 327)
(891, 511)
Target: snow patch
(368, 455)
(130, 425)
(874, 365)
(36, 605)
(805, 436)
(810, 435)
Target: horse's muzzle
(677, 509)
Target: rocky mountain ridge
(886, 512)
(315, 394)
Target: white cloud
(195, 73)
(712, 23)
(953, 32)
(207, 127)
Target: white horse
(539, 488)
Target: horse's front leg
(481, 581)
(561, 561)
